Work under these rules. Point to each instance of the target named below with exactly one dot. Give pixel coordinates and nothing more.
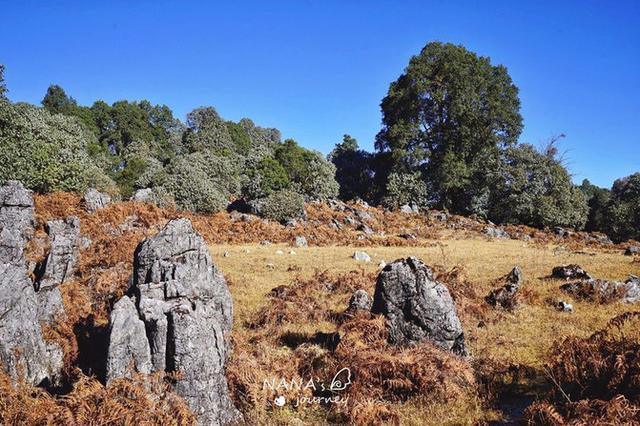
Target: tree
(598, 200)
(447, 115)
(623, 213)
(353, 169)
(533, 188)
(3, 85)
(405, 188)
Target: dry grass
(300, 332)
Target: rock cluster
(496, 232)
(416, 306)
(505, 296)
(180, 321)
(604, 290)
(23, 352)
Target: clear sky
(318, 69)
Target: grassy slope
(522, 338)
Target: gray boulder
(60, 264)
(16, 221)
(495, 232)
(505, 296)
(570, 272)
(128, 345)
(95, 200)
(632, 251)
(605, 291)
(361, 256)
(360, 301)
(301, 241)
(24, 354)
(186, 308)
(417, 307)
(143, 195)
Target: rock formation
(416, 306)
(95, 200)
(186, 308)
(605, 291)
(60, 264)
(570, 272)
(23, 352)
(505, 296)
(360, 301)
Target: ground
(522, 338)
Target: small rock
(301, 241)
(360, 300)
(349, 220)
(366, 229)
(564, 306)
(265, 243)
(632, 251)
(361, 256)
(279, 252)
(494, 232)
(292, 252)
(363, 215)
(142, 195)
(226, 254)
(408, 236)
(506, 296)
(95, 200)
(382, 264)
(406, 208)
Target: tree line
(449, 140)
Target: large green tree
(448, 115)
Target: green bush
(405, 188)
(47, 152)
(283, 206)
(192, 188)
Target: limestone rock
(632, 251)
(495, 232)
(605, 291)
(60, 264)
(361, 256)
(128, 345)
(16, 221)
(95, 200)
(301, 241)
(570, 272)
(23, 352)
(505, 296)
(142, 195)
(416, 306)
(360, 301)
(186, 308)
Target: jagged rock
(362, 215)
(24, 354)
(408, 236)
(256, 206)
(186, 308)
(142, 195)
(361, 256)
(16, 221)
(348, 220)
(406, 208)
(505, 296)
(60, 264)
(365, 229)
(632, 251)
(128, 345)
(301, 241)
(494, 232)
(570, 272)
(605, 291)
(416, 306)
(360, 301)
(95, 200)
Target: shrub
(193, 189)
(47, 152)
(284, 205)
(405, 188)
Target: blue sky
(318, 69)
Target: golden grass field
(522, 338)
